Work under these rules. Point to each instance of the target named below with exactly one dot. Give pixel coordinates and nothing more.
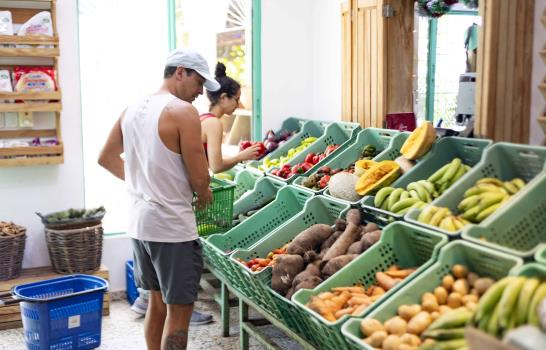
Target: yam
(340, 225)
(370, 227)
(329, 242)
(355, 248)
(310, 271)
(343, 242)
(336, 264)
(309, 239)
(287, 266)
(370, 239)
(353, 217)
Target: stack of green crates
(481, 260)
(401, 244)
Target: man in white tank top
(164, 165)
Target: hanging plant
(438, 8)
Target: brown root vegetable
(376, 339)
(309, 239)
(343, 242)
(447, 282)
(454, 300)
(340, 225)
(441, 295)
(410, 339)
(408, 311)
(392, 342)
(336, 264)
(310, 256)
(353, 216)
(396, 325)
(370, 227)
(461, 286)
(330, 241)
(287, 266)
(370, 239)
(307, 283)
(355, 248)
(483, 284)
(429, 302)
(385, 281)
(310, 270)
(459, 271)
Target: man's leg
(155, 320)
(175, 332)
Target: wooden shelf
(29, 52)
(28, 107)
(29, 39)
(31, 151)
(53, 95)
(542, 88)
(17, 162)
(27, 133)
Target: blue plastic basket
(62, 313)
(131, 289)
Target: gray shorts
(173, 268)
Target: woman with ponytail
(224, 101)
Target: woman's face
(230, 104)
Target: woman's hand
(250, 153)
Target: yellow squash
(419, 142)
(378, 176)
(362, 165)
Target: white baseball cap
(193, 60)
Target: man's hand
(204, 199)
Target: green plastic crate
(265, 190)
(310, 128)
(231, 172)
(540, 255)
(244, 181)
(317, 210)
(481, 260)
(511, 227)
(217, 248)
(382, 139)
(531, 270)
(335, 133)
(442, 152)
(402, 244)
(217, 216)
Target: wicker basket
(76, 250)
(11, 255)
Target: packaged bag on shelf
(6, 25)
(39, 24)
(5, 81)
(34, 79)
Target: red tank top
(203, 117)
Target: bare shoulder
(181, 112)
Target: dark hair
(228, 85)
(169, 71)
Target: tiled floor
(122, 330)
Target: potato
(461, 286)
(419, 323)
(471, 306)
(483, 284)
(441, 295)
(429, 302)
(406, 347)
(454, 300)
(429, 341)
(408, 311)
(410, 339)
(474, 291)
(392, 342)
(469, 298)
(444, 309)
(471, 278)
(447, 282)
(434, 315)
(376, 339)
(460, 271)
(396, 325)
(368, 326)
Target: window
(120, 60)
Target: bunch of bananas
(399, 201)
(509, 303)
(481, 200)
(448, 175)
(442, 218)
(417, 194)
(448, 330)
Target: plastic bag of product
(39, 24)
(5, 81)
(34, 79)
(6, 25)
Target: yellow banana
(427, 213)
(489, 198)
(471, 213)
(518, 182)
(469, 202)
(484, 214)
(382, 195)
(490, 180)
(451, 171)
(404, 195)
(438, 216)
(524, 300)
(510, 187)
(540, 294)
(479, 189)
(438, 174)
(394, 197)
(448, 224)
(508, 300)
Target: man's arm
(110, 156)
(191, 148)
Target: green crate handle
(263, 186)
(531, 270)
(540, 255)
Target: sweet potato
(284, 271)
(344, 241)
(309, 282)
(370, 239)
(329, 242)
(309, 239)
(340, 225)
(355, 248)
(370, 227)
(310, 271)
(353, 217)
(336, 264)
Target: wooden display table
(10, 315)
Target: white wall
(538, 104)
(50, 188)
(301, 61)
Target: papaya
(362, 165)
(378, 176)
(419, 142)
